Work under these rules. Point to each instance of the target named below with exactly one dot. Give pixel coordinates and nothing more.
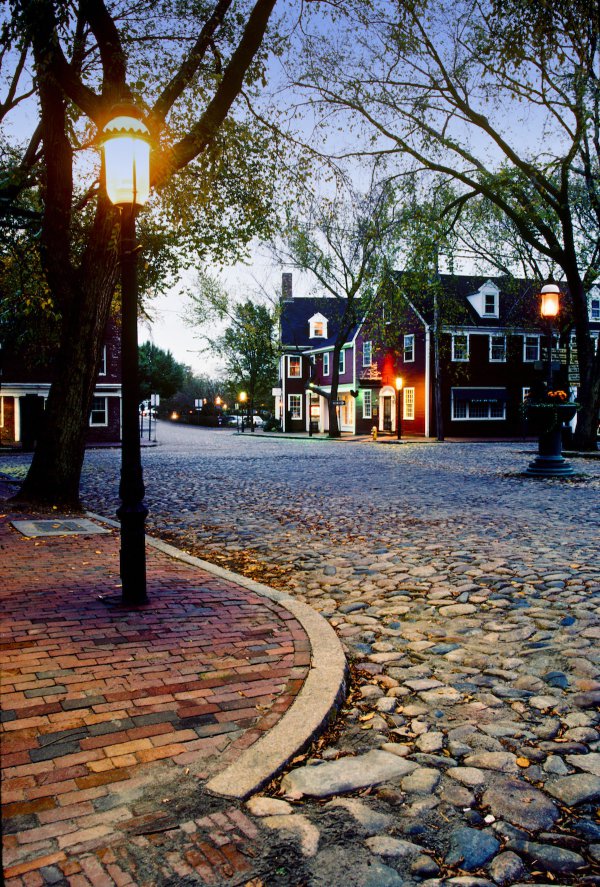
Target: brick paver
(110, 717)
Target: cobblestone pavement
(467, 597)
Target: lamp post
(550, 414)
(549, 308)
(126, 146)
(242, 398)
(399, 384)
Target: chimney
(286, 286)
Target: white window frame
(456, 359)
(529, 344)
(298, 375)
(342, 361)
(493, 359)
(317, 321)
(326, 363)
(595, 309)
(467, 409)
(525, 392)
(367, 409)
(291, 410)
(408, 348)
(103, 424)
(102, 369)
(367, 354)
(494, 297)
(408, 405)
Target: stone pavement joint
(113, 719)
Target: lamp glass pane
(549, 304)
(127, 163)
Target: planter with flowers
(547, 418)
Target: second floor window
(497, 349)
(367, 354)
(294, 367)
(409, 348)
(595, 309)
(489, 305)
(460, 347)
(326, 364)
(102, 370)
(342, 361)
(531, 348)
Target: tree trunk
(334, 427)
(588, 356)
(437, 373)
(55, 472)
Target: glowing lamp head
(217, 401)
(399, 383)
(550, 296)
(126, 145)
(243, 397)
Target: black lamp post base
(133, 554)
(550, 461)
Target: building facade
(492, 350)
(23, 394)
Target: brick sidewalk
(113, 719)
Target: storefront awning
(479, 394)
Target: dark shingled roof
(295, 314)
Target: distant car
(258, 421)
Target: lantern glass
(399, 383)
(550, 300)
(127, 161)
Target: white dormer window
(486, 300)
(317, 327)
(367, 354)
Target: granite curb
(317, 702)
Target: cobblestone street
(467, 598)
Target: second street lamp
(126, 144)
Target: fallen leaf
(523, 762)
(367, 717)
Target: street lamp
(551, 413)
(399, 384)
(126, 146)
(242, 397)
(549, 308)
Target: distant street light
(549, 308)
(126, 147)
(399, 384)
(242, 398)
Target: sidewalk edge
(317, 702)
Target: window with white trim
(367, 404)
(342, 361)
(409, 348)
(99, 412)
(460, 347)
(490, 305)
(294, 367)
(531, 349)
(295, 406)
(478, 409)
(497, 349)
(102, 369)
(326, 364)
(408, 407)
(367, 354)
(525, 392)
(317, 327)
(595, 308)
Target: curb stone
(317, 702)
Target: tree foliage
(160, 373)
(247, 343)
(185, 63)
(503, 100)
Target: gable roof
(296, 314)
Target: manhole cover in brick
(74, 527)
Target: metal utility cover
(74, 527)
